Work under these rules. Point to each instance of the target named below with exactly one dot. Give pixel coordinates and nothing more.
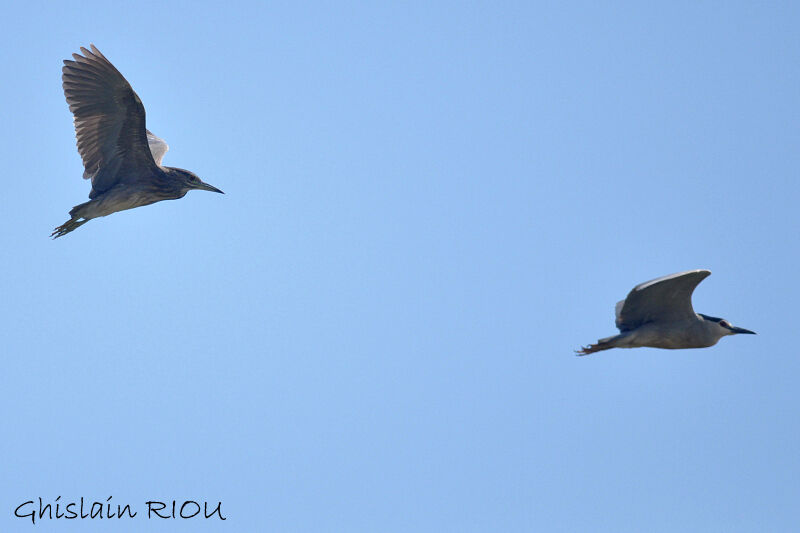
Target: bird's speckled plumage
(120, 156)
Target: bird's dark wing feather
(668, 298)
(109, 121)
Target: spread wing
(668, 298)
(158, 146)
(109, 121)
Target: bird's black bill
(206, 187)
(742, 330)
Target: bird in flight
(659, 314)
(120, 155)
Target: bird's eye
(725, 324)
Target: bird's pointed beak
(203, 186)
(742, 330)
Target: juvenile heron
(120, 156)
(659, 314)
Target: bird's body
(659, 314)
(120, 156)
(697, 333)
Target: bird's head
(189, 180)
(722, 327)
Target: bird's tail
(602, 344)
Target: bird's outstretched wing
(668, 298)
(158, 146)
(109, 121)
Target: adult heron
(659, 314)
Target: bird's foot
(592, 348)
(66, 227)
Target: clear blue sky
(428, 207)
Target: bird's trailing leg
(602, 344)
(70, 225)
(79, 215)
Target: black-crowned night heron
(120, 156)
(659, 314)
